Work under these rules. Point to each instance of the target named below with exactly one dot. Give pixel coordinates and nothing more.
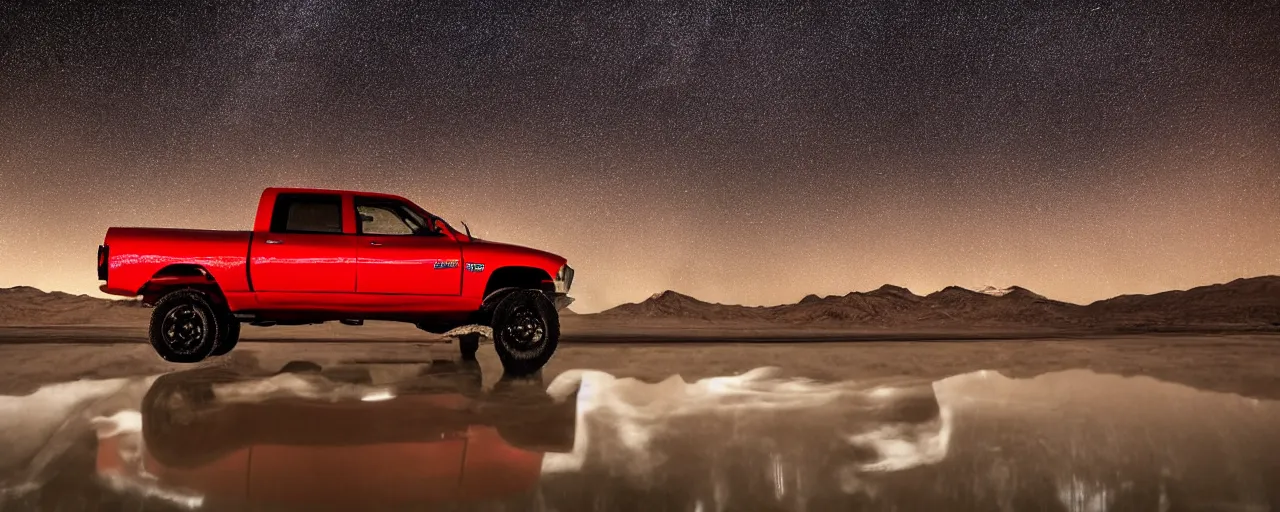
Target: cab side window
(307, 213)
(380, 216)
(381, 220)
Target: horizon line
(103, 296)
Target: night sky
(738, 153)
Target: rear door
(305, 249)
(398, 254)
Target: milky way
(740, 154)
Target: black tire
(184, 327)
(468, 345)
(526, 330)
(229, 335)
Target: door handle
(376, 244)
(273, 241)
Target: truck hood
(551, 259)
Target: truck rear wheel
(184, 327)
(526, 330)
(228, 334)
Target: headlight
(564, 278)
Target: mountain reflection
(726, 443)
(406, 435)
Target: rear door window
(307, 213)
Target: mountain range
(1248, 304)
(24, 305)
(1252, 303)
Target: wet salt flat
(392, 432)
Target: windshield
(439, 225)
(415, 220)
(383, 216)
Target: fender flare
(485, 314)
(173, 278)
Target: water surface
(365, 436)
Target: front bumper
(561, 300)
(560, 295)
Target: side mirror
(364, 217)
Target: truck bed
(136, 254)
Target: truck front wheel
(526, 329)
(184, 327)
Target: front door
(398, 254)
(305, 250)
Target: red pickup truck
(324, 255)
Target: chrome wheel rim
(526, 331)
(183, 329)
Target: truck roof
(303, 190)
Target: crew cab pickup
(329, 255)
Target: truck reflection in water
(351, 436)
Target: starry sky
(745, 153)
